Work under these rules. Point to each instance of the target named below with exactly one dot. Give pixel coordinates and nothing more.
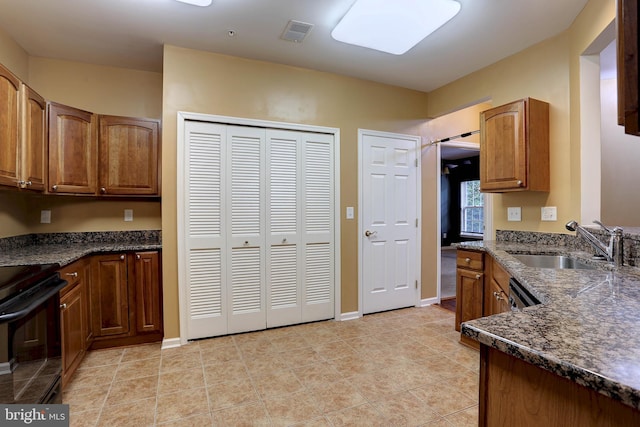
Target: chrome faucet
(612, 252)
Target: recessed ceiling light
(393, 26)
(202, 3)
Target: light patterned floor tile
(402, 367)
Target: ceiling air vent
(296, 31)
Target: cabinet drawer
(470, 259)
(72, 273)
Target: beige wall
(97, 88)
(548, 71)
(14, 57)
(217, 84)
(620, 153)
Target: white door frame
(182, 273)
(488, 208)
(361, 133)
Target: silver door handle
(370, 233)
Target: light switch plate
(514, 214)
(45, 216)
(349, 212)
(549, 213)
(128, 215)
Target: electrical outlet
(549, 213)
(45, 217)
(514, 214)
(128, 215)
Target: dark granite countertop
(587, 328)
(65, 248)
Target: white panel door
(204, 229)
(389, 220)
(246, 244)
(283, 228)
(318, 207)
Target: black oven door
(30, 350)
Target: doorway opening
(463, 213)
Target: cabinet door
(72, 150)
(34, 153)
(148, 290)
(128, 156)
(9, 127)
(503, 154)
(496, 299)
(109, 295)
(469, 293)
(73, 327)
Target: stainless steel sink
(553, 261)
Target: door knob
(370, 233)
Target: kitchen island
(572, 360)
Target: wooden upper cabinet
(72, 150)
(128, 156)
(514, 147)
(9, 127)
(34, 140)
(628, 59)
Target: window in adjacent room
(471, 209)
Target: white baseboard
(429, 301)
(349, 316)
(170, 343)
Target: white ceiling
(130, 33)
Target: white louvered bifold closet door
(259, 228)
(246, 213)
(283, 228)
(204, 229)
(318, 206)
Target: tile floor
(398, 368)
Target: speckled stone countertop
(587, 328)
(65, 248)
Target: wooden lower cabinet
(516, 393)
(126, 299)
(74, 317)
(109, 295)
(496, 289)
(482, 288)
(469, 289)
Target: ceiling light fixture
(393, 26)
(201, 3)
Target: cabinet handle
(498, 295)
(74, 274)
(478, 276)
(54, 187)
(28, 183)
(122, 257)
(138, 256)
(519, 183)
(284, 240)
(21, 183)
(467, 260)
(103, 190)
(63, 306)
(246, 243)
